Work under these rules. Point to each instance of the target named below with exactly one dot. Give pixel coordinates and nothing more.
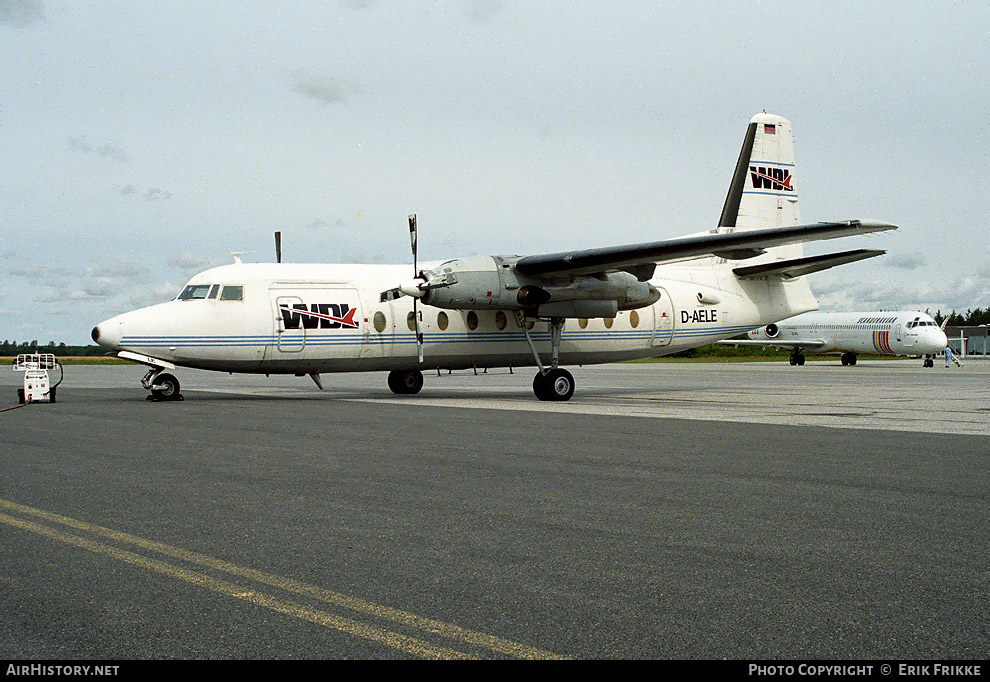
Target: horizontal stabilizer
(788, 269)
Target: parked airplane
(902, 332)
(502, 311)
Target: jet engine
(771, 330)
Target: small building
(969, 341)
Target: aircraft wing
(778, 343)
(639, 258)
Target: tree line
(972, 318)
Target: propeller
(412, 242)
(278, 247)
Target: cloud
(324, 87)
(106, 150)
(905, 262)
(481, 11)
(320, 223)
(357, 4)
(21, 13)
(917, 292)
(154, 194)
(149, 194)
(89, 287)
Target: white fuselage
(352, 329)
(902, 332)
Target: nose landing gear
(163, 386)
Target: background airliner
(594, 306)
(902, 332)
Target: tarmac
(669, 510)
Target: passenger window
(232, 293)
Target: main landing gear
(797, 358)
(848, 359)
(405, 382)
(550, 383)
(163, 386)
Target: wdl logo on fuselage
(318, 316)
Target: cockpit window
(232, 293)
(213, 291)
(194, 291)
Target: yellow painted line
(454, 632)
(390, 639)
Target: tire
(557, 385)
(405, 382)
(165, 387)
(800, 359)
(793, 360)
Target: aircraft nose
(107, 334)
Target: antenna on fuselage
(278, 247)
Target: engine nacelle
(771, 330)
(491, 283)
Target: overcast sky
(143, 142)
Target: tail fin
(763, 193)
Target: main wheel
(800, 359)
(556, 385)
(165, 387)
(405, 382)
(792, 359)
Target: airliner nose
(107, 334)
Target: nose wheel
(163, 386)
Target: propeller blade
(278, 247)
(412, 242)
